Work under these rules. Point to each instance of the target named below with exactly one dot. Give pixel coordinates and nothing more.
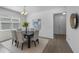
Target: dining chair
(35, 37)
(20, 38)
(14, 38)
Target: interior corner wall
(46, 21)
(6, 34)
(72, 35)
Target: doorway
(59, 24)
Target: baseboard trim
(45, 37)
(60, 34)
(67, 40)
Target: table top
(28, 33)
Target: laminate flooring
(58, 45)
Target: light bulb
(25, 13)
(22, 12)
(64, 13)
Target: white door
(59, 23)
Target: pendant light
(24, 12)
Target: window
(9, 23)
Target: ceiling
(14, 8)
(30, 9)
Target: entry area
(59, 24)
(59, 43)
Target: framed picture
(74, 20)
(37, 24)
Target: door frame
(54, 19)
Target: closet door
(59, 24)
(62, 24)
(56, 25)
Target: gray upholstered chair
(14, 38)
(35, 37)
(37, 26)
(20, 38)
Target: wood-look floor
(58, 45)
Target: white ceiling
(30, 9)
(14, 8)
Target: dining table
(29, 35)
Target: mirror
(74, 20)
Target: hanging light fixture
(24, 12)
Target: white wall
(5, 12)
(72, 34)
(46, 19)
(46, 23)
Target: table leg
(28, 42)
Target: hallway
(58, 45)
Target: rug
(38, 49)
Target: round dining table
(29, 35)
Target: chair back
(19, 36)
(36, 35)
(14, 35)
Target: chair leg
(34, 43)
(22, 46)
(17, 44)
(37, 41)
(12, 41)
